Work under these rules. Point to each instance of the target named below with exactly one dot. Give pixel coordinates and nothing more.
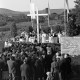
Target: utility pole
(64, 18)
(48, 14)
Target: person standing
(65, 67)
(17, 64)
(43, 37)
(25, 70)
(54, 70)
(11, 68)
(1, 67)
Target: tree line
(73, 25)
(24, 18)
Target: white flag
(67, 6)
(32, 10)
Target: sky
(24, 5)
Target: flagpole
(67, 16)
(67, 10)
(31, 18)
(48, 15)
(37, 26)
(64, 18)
(32, 22)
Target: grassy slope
(11, 12)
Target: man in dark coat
(25, 70)
(65, 67)
(11, 68)
(54, 70)
(1, 67)
(39, 69)
(17, 65)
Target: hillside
(58, 11)
(8, 16)
(11, 12)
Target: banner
(32, 10)
(70, 45)
(67, 6)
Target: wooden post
(64, 18)
(37, 26)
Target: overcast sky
(24, 5)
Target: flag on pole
(32, 10)
(67, 6)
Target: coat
(11, 66)
(54, 71)
(25, 71)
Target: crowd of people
(22, 58)
(32, 38)
(22, 61)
